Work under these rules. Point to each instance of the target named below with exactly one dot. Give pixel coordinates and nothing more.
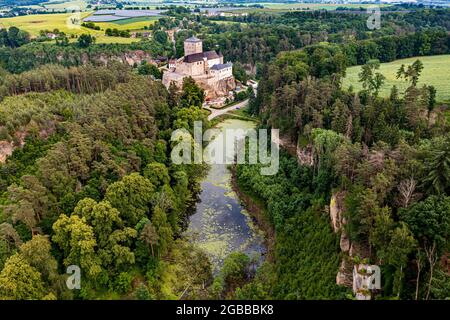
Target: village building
(207, 69)
(146, 35)
(51, 35)
(233, 14)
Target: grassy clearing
(63, 21)
(243, 114)
(436, 72)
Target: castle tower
(193, 45)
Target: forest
(93, 186)
(383, 161)
(250, 40)
(259, 37)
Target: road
(218, 112)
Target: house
(51, 36)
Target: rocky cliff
(130, 57)
(220, 88)
(305, 156)
(7, 147)
(350, 249)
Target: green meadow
(436, 72)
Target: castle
(206, 68)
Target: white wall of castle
(212, 62)
(222, 73)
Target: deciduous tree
(20, 281)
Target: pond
(220, 224)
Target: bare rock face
(340, 278)
(250, 68)
(334, 214)
(344, 243)
(336, 210)
(360, 250)
(226, 85)
(103, 59)
(220, 88)
(223, 87)
(305, 155)
(344, 276)
(131, 57)
(136, 57)
(6, 149)
(85, 58)
(445, 262)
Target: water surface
(220, 225)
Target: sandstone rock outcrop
(351, 250)
(344, 242)
(344, 276)
(305, 156)
(6, 149)
(337, 210)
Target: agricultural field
(67, 23)
(435, 73)
(59, 5)
(283, 7)
(122, 15)
(128, 24)
(324, 6)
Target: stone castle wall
(193, 69)
(192, 47)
